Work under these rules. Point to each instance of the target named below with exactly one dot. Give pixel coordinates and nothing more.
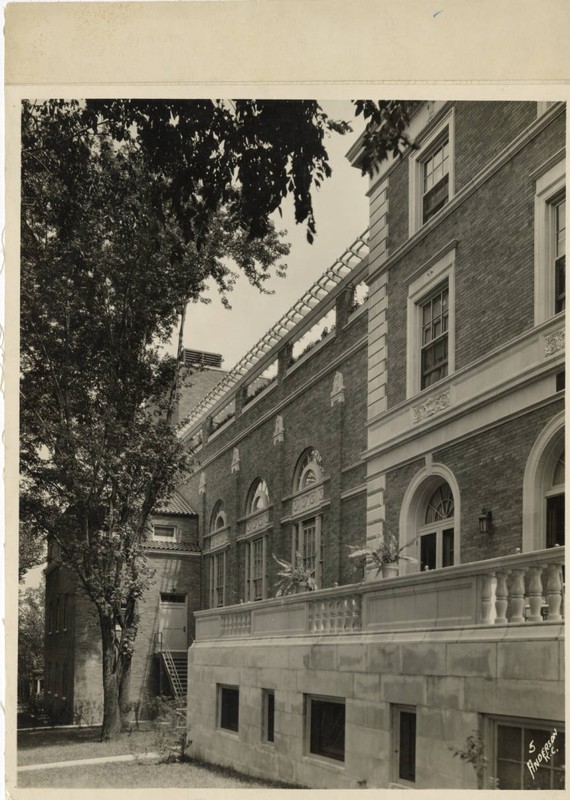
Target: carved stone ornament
(235, 461)
(431, 406)
(257, 523)
(337, 394)
(279, 430)
(216, 540)
(554, 342)
(308, 500)
(202, 486)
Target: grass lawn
(134, 775)
(46, 745)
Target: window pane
(509, 775)
(327, 729)
(229, 712)
(555, 520)
(509, 742)
(447, 546)
(270, 716)
(407, 760)
(428, 551)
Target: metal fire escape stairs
(176, 669)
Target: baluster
(502, 597)
(322, 621)
(487, 610)
(517, 596)
(535, 594)
(554, 592)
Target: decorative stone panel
(554, 342)
(308, 500)
(279, 430)
(337, 394)
(203, 483)
(235, 465)
(257, 523)
(438, 402)
(216, 540)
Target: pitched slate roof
(176, 504)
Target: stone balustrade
(522, 589)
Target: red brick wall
(494, 268)
(482, 130)
(489, 469)
(339, 435)
(59, 644)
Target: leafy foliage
(31, 624)
(387, 551)
(474, 753)
(295, 577)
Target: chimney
(199, 358)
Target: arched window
(543, 489)
(309, 470)
(430, 519)
(219, 519)
(257, 497)
(437, 534)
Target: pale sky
(341, 214)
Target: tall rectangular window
(326, 719)
(228, 708)
(550, 243)
(404, 739)
(435, 326)
(435, 178)
(65, 611)
(307, 542)
(255, 569)
(431, 171)
(217, 579)
(559, 209)
(268, 715)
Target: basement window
(268, 712)
(326, 720)
(228, 708)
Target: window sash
(229, 708)
(307, 541)
(327, 722)
(217, 579)
(513, 743)
(434, 338)
(437, 547)
(255, 568)
(268, 732)
(435, 179)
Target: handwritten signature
(545, 754)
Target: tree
(128, 207)
(31, 616)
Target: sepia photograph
(291, 454)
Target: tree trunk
(111, 727)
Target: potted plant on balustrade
(385, 556)
(294, 578)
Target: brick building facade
(416, 391)
(372, 684)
